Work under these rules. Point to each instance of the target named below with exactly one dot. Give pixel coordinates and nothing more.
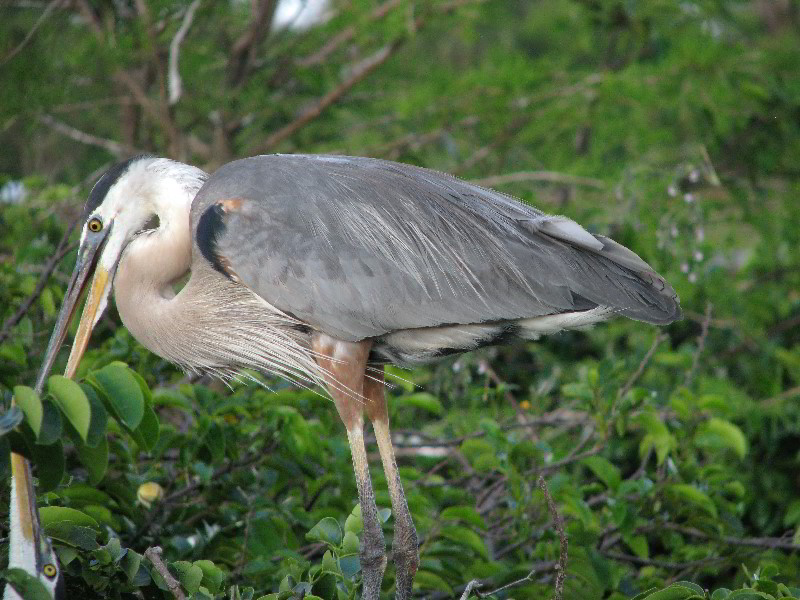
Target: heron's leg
(344, 364)
(405, 548)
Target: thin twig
(153, 554)
(545, 176)
(568, 460)
(63, 248)
(701, 344)
(361, 71)
(556, 417)
(561, 570)
(642, 365)
(474, 584)
(783, 543)
(344, 36)
(174, 83)
(29, 36)
(538, 569)
(662, 564)
(71, 132)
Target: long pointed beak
(23, 500)
(29, 548)
(98, 296)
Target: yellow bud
(149, 492)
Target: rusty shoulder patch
(231, 204)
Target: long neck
(149, 267)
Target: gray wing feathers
(361, 247)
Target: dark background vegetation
(671, 454)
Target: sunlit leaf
(30, 404)
(122, 393)
(73, 403)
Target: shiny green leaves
(73, 403)
(81, 411)
(28, 400)
(121, 392)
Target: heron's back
(365, 248)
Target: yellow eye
(95, 224)
(49, 571)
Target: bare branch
(546, 176)
(538, 569)
(91, 18)
(662, 564)
(29, 36)
(153, 554)
(139, 95)
(243, 51)
(344, 36)
(783, 543)
(63, 248)
(174, 77)
(361, 71)
(561, 570)
(642, 365)
(474, 584)
(71, 132)
(701, 344)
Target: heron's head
(125, 201)
(29, 549)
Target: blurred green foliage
(672, 127)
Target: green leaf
(26, 585)
(350, 543)
(189, 575)
(657, 437)
(99, 422)
(423, 400)
(146, 435)
(676, 592)
(683, 492)
(52, 427)
(49, 461)
(94, 459)
(749, 595)
(327, 530)
(466, 537)
(213, 576)
(579, 390)
(130, 564)
(30, 404)
(637, 543)
(425, 580)
(215, 442)
(467, 514)
(792, 515)
(721, 434)
(329, 562)
(604, 471)
(55, 514)
(354, 522)
(72, 401)
(120, 389)
(72, 534)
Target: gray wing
(360, 247)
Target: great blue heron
(323, 268)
